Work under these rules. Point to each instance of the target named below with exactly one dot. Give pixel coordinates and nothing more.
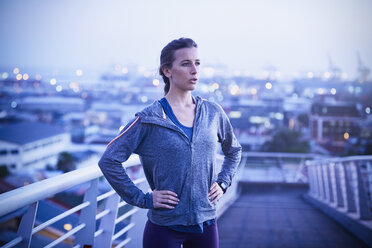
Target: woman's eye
(197, 63)
(185, 64)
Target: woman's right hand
(164, 199)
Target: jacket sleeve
(230, 147)
(118, 151)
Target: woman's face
(184, 73)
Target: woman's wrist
(223, 186)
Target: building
(253, 119)
(85, 158)
(31, 146)
(332, 123)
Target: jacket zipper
(175, 128)
(192, 164)
(192, 182)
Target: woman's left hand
(215, 192)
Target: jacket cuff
(149, 202)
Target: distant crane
(270, 71)
(334, 71)
(363, 70)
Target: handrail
(24, 196)
(281, 155)
(346, 159)
(84, 232)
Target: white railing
(344, 184)
(276, 167)
(84, 234)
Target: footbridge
(276, 200)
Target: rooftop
(23, 133)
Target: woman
(177, 139)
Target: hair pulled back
(167, 56)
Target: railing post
(108, 222)
(325, 181)
(88, 216)
(280, 166)
(26, 226)
(339, 195)
(350, 199)
(332, 174)
(364, 194)
(316, 180)
(331, 198)
(320, 182)
(310, 176)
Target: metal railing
(344, 184)
(276, 167)
(84, 233)
(96, 227)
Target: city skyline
(289, 36)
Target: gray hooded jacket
(171, 162)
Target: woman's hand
(164, 199)
(215, 192)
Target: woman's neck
(179, 99)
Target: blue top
(188, 131)
(169, 112)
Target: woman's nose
(194, 69)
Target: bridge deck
(277, 216)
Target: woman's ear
(166, 72)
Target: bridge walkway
(276, 215)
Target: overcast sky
(292, 35)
